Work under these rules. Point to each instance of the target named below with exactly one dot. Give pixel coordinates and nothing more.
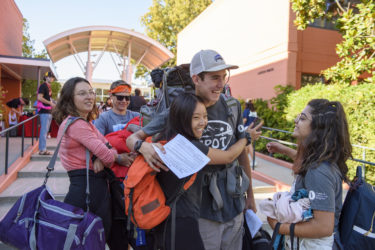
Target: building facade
(260, 37)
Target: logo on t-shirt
(311, 195)
(217, 134)
(118, 127)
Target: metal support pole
(32, 132)
(6, 152)
(23, 139)
(253, 154)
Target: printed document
(182, 157)
(253, 222)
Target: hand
(253, 131)
(274, 147)
(98, 165)
(272, 222)
(52, 104)
(250, 202)
(126, 159)
(151, 157)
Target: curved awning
(122, 41)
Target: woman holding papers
(188, 117)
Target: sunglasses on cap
(122, 97)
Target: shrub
(359, 105)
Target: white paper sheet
(253, 222)
(182, 157)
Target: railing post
(364, 158)
(32, 131)
(23, 140)
(253, 154)
(6, 152)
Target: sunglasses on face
(122, 97)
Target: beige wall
(252, 34)
(260, 37)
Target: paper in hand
(253, 222)
(182, 157)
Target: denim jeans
(45, 122)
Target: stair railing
(364, 148)
(6, 133)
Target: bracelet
(138, 145)
(93, 158)
(118, 158)
(248, 137)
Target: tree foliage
(29, 87)
(28, 49)
(356, 23)
(166, 18)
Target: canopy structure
(129, 45)
(25, 68)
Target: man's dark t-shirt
(136, 102)
(188, 205)
(45, 90)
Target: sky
(50, 17)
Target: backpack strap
(51, 164)
(173, 201)
(232, 109)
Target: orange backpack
(145, 202)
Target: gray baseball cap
(208, 61)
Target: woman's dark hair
(180, 116)
(249, 105)
(106, 102)
(65, 105)
(26, 100)
(329, 139)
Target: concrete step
(45, 158)
(275, 171)
(58, 185)
(39, 169)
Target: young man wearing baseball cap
(221, 226)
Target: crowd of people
(209, 215)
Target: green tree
(166, 18)
(356, 23)
(28, 49)
(29, 87)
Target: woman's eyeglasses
(86, 94)
(122, 97)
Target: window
(311, 79)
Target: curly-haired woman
(320, 164)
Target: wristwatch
(138, 145)
(248, 137)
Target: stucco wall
(261, 38)
(11, 22)
(249, 33)
(316, 50)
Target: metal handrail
(6, 133)
(363, 161)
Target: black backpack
(357, 219)
(261, 240)
(175, 81)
